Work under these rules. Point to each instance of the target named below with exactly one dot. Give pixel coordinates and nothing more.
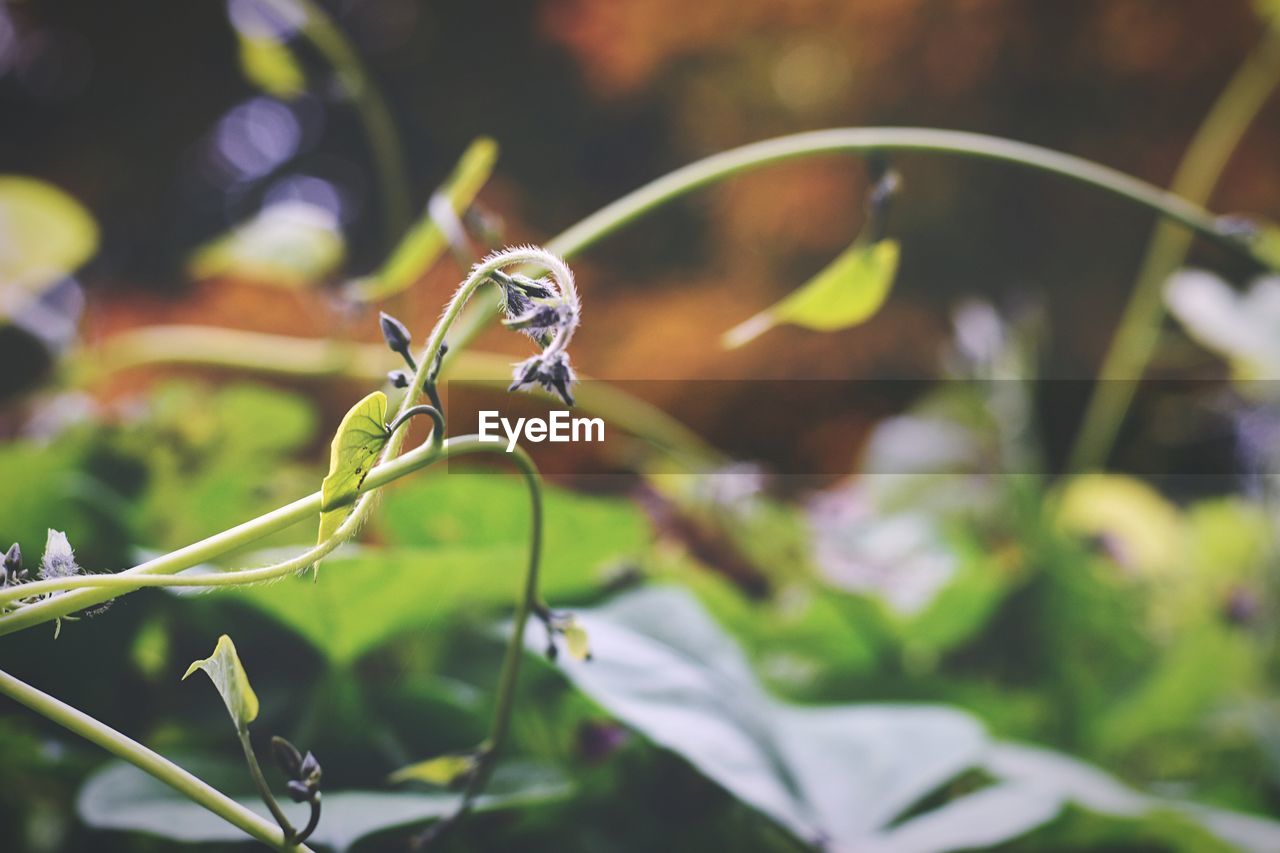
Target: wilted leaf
(44, 236)
(290, 244)
(356, 445)
(227, 674)
(426, 240)
(443, 770)
(848, 291)
(121, 797)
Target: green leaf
(848, 291)
(290, 244)
(1266, 243)
(470, 552)
(269, 64)
(121, 797)
(843, 773)
(227, 674)
(426, 241)
(356, 445)
(45, 235)
(839, 772)
(443, 770)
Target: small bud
(310, 771)
(287, 757)
(13, 557)
(59, 561)
(551, 371)
(398, 378)
(396, 335)
(299, 792)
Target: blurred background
(242, 169)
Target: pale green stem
(234, 349)
(121, 746)
(95, 589)
(717, 167)
(1136, 336)
(260, 782)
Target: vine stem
(384, 142)
(747, 158)
(509, 678)
(1138, 332)
(147, 760)
(260, 783)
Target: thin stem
(384, 142)
(264, 790)
(437, 420)
(121, 746)
(313, 821)
(509, 678)
(717, 167)
(89, 590)
(1138, 332)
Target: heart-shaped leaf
(848, 291)
(227, 674)
(356, 445)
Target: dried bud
(398, 378)
(549, 370)
(11, 571)
(396, 335)
(519, 291)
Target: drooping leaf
(835, 772)
(442, 771)
(848, 291)
(426, 240)
(227, 674)
(45, 235)
(121, 797)
(842, 774)
(356, 445)
(268, 64)
(290, 244)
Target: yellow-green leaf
(291, 244)
(848, 291)
(1144, 529)
(270, 65)
(227, 674)
(443, 770)
(576, 641)
(356, 445)
(45, 235)
(426, 241)
(1266, 243)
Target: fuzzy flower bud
(59, 561)
(550, 370)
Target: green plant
(539, 299)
